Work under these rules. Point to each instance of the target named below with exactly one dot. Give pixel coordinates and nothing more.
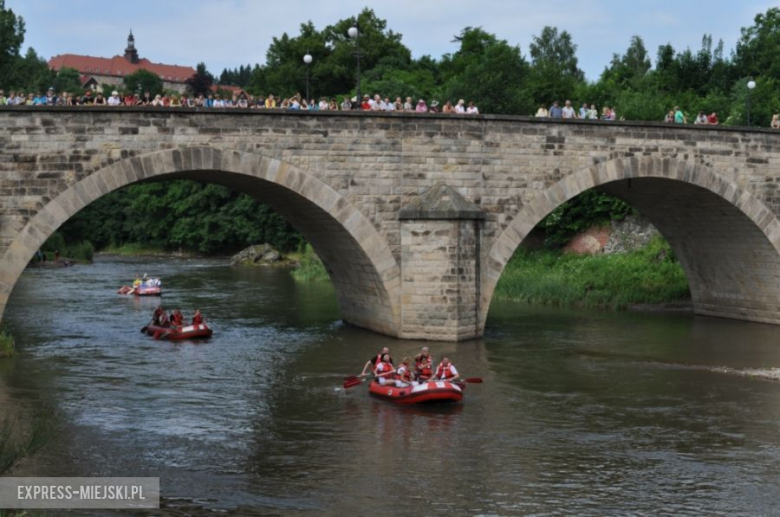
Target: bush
(649, 275)
(7, 344)
(310, 268)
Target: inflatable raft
(426, 392)
(179, 333)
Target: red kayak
(178, 333)
(426, 392)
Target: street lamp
(307, 59)
(751, 84)
(354, 33)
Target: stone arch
(727, 239)
(363, 270)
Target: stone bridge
(414, 215)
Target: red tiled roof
(119, 66)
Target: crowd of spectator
(237, 100)
(298, 102)
(585, 112)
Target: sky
(230, 33)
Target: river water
(581, 412)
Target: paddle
(352, 383)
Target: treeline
(501, 79)
(179, 215)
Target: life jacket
(444, 372)
(197, 319)
(403, 374)
(423, 365)
(386, 367)
(177, 320)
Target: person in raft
(197, 318)
(385, 372)
(137, 281)
(177, 318)
(423, 365)
(371, 363)
(403, 375)
(157, 317)
(446, 371)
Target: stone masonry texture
(342, 179)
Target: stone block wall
(440, 279)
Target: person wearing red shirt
(712, 119)
(197, 319)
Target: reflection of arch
(727, 240)
(358, 258)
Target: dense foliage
(180, 215)
(501, 79)
(591, 208)
(649, 275)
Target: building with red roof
(102, 70)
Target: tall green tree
(488, 71)
(201, 81)
(758, 49)
(555, 73)
(142, 81)
(68, 80)
(11, 39)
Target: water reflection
(581, 412)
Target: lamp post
(354, 34)
(307, 59)
(750, 85)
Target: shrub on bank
(310, 268)
(7, 344)
(649, 275)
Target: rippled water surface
(581, 412)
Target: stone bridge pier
(415, 216)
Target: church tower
(131, 54)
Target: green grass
(310, 267)
(7, 345)
(651, 275)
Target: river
(581, 412)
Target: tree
(11, 39)
(201, 81)
(68, 80)
(488, 71)
(31, 72)
(554, 70)
(142, 81)
(758, 49)
(633, 66)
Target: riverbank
(644, 278)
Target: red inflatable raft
(178, 333)
(148, 291)
(426, 392)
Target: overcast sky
(228, 33)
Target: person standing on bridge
(555, 110)
(679, 116)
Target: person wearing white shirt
(114, 100)
(568, 111)
(461, 106)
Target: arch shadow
(726, 238)
(363, 270)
